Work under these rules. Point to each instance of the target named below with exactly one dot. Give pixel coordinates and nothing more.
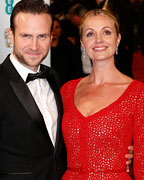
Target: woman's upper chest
(90, 100)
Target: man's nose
(34, 44)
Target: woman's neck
(105, 72)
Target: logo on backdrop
(7, 39)
(9, 6)
(8, 10)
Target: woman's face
(99, 37)
(56, 30)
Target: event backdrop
(6, 7)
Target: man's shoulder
(5, 62)
(4, 67)
(49, 69)
(53, 75)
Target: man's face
(31, 39)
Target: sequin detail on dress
(96, 145)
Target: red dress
(97, 144)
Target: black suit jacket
(26, 151)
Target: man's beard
(26, 63)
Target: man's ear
(11, 36)
(51, 38)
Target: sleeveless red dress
(97, 144)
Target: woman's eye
(107, 32)
(89, 34)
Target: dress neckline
(108, 107)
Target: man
(31, 143)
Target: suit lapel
(23, 94)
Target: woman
(103, 112)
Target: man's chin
(30, 57)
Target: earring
(117, 50)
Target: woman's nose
(98, 38)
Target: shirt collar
(22, 70)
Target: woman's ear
(119, 39)
(82, 45)
(11, 36)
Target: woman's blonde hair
(102, 12)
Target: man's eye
(42, 36)
(107, 32)
(26, 36)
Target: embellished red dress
(97, 144)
